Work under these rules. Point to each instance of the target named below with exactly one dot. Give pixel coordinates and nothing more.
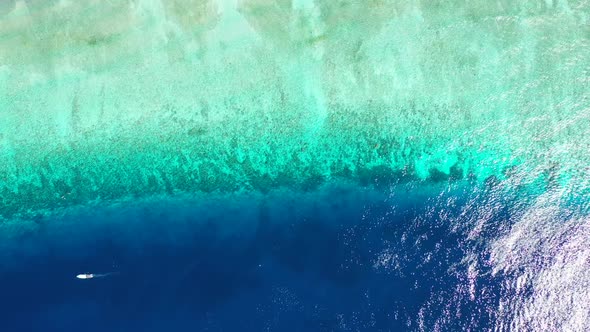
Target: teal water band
(112, 99)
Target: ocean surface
(294, 165)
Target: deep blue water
(255, 263)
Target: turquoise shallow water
(432, 152)
(130, 99)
